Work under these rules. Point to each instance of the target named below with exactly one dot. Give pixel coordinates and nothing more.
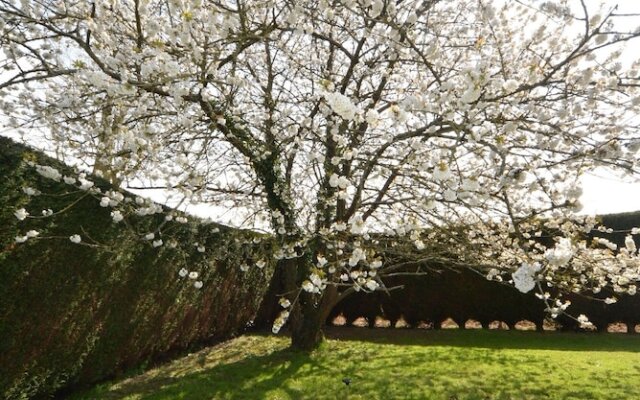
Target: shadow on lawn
(227, 380)
(491, 339)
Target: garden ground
(398, 364)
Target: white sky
(605, 192)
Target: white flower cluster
(116, 216)
(315, 284)
(524, 278)
(49, 172)
(607, 243)
(558, 307)
(280, 321)
(341, 105)
(373, 118)
(151, 209)
(441, 172)
(362, 279)
(85, 184)
(191, 275)
(321, 261)
(630, 244)
(561, 254)
(357, 255)
(356, 225)
(29, 191)
(21, 214)
(336, 180)
(584, 321)
(111, 199)
(30, 234)
(284, 302)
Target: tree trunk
(309, 314)
(306, 327)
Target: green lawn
(399, 364)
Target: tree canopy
(458, 127)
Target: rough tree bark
(310, 311)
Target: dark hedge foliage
(71, 314)
(464, 294)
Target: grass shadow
(238, 374)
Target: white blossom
(49, 172)
(85, 184)
(372, 117)
(470, 185)
(21, 239)
(75, 238)
(584, 321)
(372, 284)
(29, 191)
(441, 172)
(341, 105)
(524, 277)
(376, 8)
(321, 261)
(630, 244)
(183, 272)
(284, 302)
(450, 195)
(21, 214)
(32, 233)
(307, 286)
(561, 254)
(116, 216)
(510, 85)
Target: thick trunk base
(306, 339)
(309, 314)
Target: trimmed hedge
(463, 295)
(72, 315)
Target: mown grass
(399, 364)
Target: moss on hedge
(73, 314)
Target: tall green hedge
(72, 314)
